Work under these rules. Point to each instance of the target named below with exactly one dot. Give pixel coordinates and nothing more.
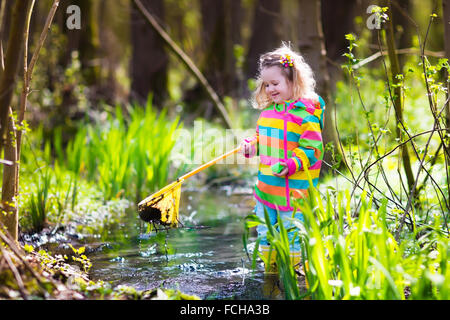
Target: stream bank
(203, 258)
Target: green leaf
(253, 221)
(350, 37)
(28, 248)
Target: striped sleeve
(310, 149)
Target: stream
(204, 257)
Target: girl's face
(277, 87)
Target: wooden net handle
(210, 163)
(190, 174)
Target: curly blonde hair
(300, 75)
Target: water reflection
(209, 262)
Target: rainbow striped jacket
(292, 133)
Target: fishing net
(162, 207)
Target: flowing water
(205, 257)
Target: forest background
(109, 91)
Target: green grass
(126, 157)
(348, 235)
(352, 253)
(40, 202)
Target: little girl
(289, 139)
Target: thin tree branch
(378, 54)
(43, 36)
(436, 127)
(400, 145)
(28, 75)
(6, 238)
(2, 26)
(14, 271)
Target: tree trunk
(12, 60)
(149, 62)
(336, 23)
(446, 21)
(234, 22)
(266, 33)
(5, 22)
(220, 32)
(312, 47)
(397, 96)
(85, 40)
(10, 185)
(110, 43)
(5, 19)
(9, 216)
(185, 60)
(402, 27)
(89, 42)
(72, 36)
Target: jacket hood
(313, 107)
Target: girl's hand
(246, 148)
(283, 172)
